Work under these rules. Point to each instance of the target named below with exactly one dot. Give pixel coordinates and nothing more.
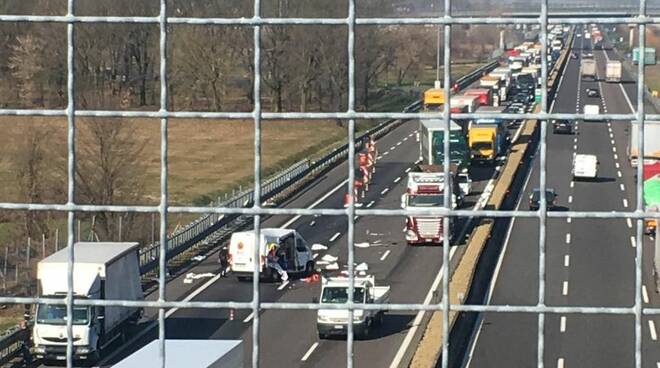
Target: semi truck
(101, 271)
(588, 69)
(432, 146)
(425, 189)
(483, 95)
(613, 71)
(651, 142)
(651, 202)
(334, 290)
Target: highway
(289, 338)
(588, 262)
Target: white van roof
(269, 232)
(585, 158)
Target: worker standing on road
(223, 259)
(272, 262)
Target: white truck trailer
(613, 71)
(189, 354)
(101, 271)
(334, 291)
(588, 69)
(651, 141)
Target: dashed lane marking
(248, 318)
(623, 187)
(568, 238)
(384, 191)
(617, 165)
(562, 324)
(633, 243)
(645, 294)
(618, 173)
(312, 223)
(625, 203)
(408, 169)
(310, 351)
(568, 220)
(397, 179)
(616, 157)
(334, 237)
(399, 143)
(654, 335)
(564, 288)
(284, 284)
(613, 148)
(370, 204)
(572, 184)
(629, 222)
(570, 199)
(567, 260)
(387, 253)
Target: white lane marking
(310, 351)
(312, 223)
(612, 136)
(568, 238)
(616, 157)
(633, 243)
(560, 363)
(387, 253)
(567, 260)
(568, 220)
(397, 179)
(315, 255)
(613, 148)
(408, 169)
(248, 318)
(564, 288)
(572, 184)
(625, 202)
(398, 143)
(386, 153)
(334, 237)
(284, 284)
(616, 164)
(629, 222)
(370, 204)
(379, 157)
(618, 173)
(645, 294)
(612, 141)
(392, 148)
(570, 199)
(654, 335)
(405, 139)
(286, 224)
(562, 324)
(575, 146)
(384, 191)
(623, 187)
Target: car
(515, 108)
(465, 183)
(573, 56)
(535, 199)
(593, 92)
(562, 126)
(521, 98)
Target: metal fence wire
(256, 22)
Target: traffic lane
(629, 82)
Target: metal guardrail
(205, 226)
(11, 342)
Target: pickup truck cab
(334, 291)
(288, 243)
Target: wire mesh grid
(351, 21)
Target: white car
(585, 167)
(465, 183)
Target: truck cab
(102, 271)
(334, 291)
(426, 189)
(288, 243)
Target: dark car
(562, 126)
(593, 92)
(535, 199)
(521, 97)
(515, 108)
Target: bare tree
(110, 171)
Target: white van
(591, 110)
(585, 167)
(287, 241)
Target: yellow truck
(434, 99)
(482, 141)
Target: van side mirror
(315, 300)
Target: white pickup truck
(335, 291)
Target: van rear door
(241, 249)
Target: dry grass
(206, 157)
